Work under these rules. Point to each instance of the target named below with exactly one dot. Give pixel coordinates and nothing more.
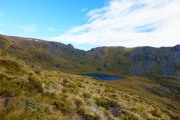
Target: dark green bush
(59, 105)
(91, 117)
(3, 76)
(64, 107)
(86, 95)
(35, 83)
(107, 103)
(9, 89)
(78, 103)
(86, 115)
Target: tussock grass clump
(110, 105)
(3, 76)
(86, 95)
(11, 66)
(78, 103)
(106, 103)
(59, 105)
(20, 108)
(64, 107)
(87, 115)
(156, 113)
(35, 84)
(9, 89)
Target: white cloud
(84, 9)
(129, 23)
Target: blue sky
(93, 23)
(43, 18)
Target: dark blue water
(104, 77)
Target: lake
(103, 76)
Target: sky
(92, 23)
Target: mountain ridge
(113, 60)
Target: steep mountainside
(111, 60)
(137, 61)
(31, 93)
(49, 55)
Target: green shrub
(35, 83)
(86, 115)
(156, 113)
(79, 85)
(91, 117)
(78, 103)
(61, 106)
(64, 90)
(9, 89)
(107, 103)
(86, 95)
(37, 71)
(49, 95)
(63, 97)
(64, 106)
(71, 85)
(100, 102)
(3, 76)
(33, 107)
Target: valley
(40, 80)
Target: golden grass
(46, 96)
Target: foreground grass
(29, 93)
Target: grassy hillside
(141, 61)
(38, 81)
(30, 92)
(49, 55)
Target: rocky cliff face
(148, 60)
(140, 60)
(118, 60)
